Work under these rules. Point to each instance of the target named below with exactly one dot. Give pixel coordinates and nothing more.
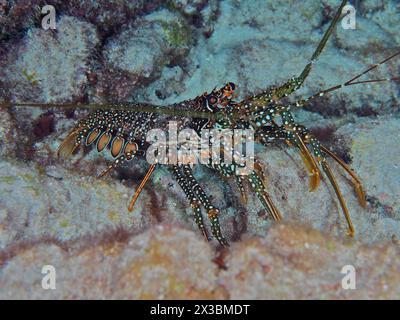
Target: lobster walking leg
(291, 134)
(300, 137)
(212, 212)
(316, 146)
(194, 202)
(339, 195)
(258, 186)
(356, 180)
(141, 186)
(239, 183)
(309, 161)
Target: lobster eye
(212, 100)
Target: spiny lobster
(122, 129)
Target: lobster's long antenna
(322, 43)
(274, 94)
(119, 106)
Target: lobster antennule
(352, 81)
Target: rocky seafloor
(56, 212)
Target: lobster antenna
(352, 81)
(119, 106)
(322, 43)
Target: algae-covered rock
(299, 263)
(172, 263)
(163, 263)
(48, 67)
